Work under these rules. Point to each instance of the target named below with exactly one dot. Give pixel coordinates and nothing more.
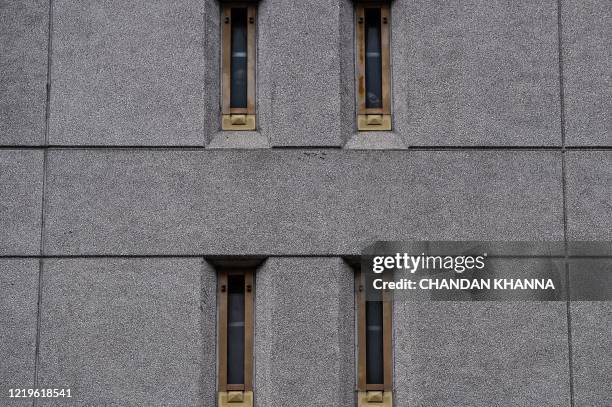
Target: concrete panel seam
(42, 207)
(564, 197)
(57, 147)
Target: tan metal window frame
(373, 394)
(373, 119)
(237, 118)
(235, 395)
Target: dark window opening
(239, 58)
(238, 66)
(374, 342)
(235, 329)
(373, 63)
(373, 58)
(374, 336)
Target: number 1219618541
(39, 393)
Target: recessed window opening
(235, 330)
(238, 66)
(373, 60)
(238, 85)
(373, 66)
(374, 343)
(235, 337)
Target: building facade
(121, 197)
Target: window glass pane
(238, 86)
(235, 329)
(374, 342)
(373, 60)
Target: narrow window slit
(238, 66)
(235, 330)
(373, 61)
(374, 336)
(239, 59)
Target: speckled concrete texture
(476, 72)
(18, 308)
(128, 73)
(589, 195)
(238, 140)
(591, 344)
(128, 332)
(481, 354)
(295, 202)
(208, 335)
(471, 80)
(305, 72)
(212, 69)
(304, 340)
(591, 278)
(23, 71)
(376, 140)
(587, 71)
(21, 173)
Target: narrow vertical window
(238, 66)
(373, 67)
(235, 338)
(374, 345)
(238, 58)
(373, 59)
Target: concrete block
(128, 73)
(481, 354)
(305, 64)
(476, 72)
(23, 71)
(304, 346)
(590, 278)
(129, 332)
(21, 178)
(18, 310)
(23, 68)
(212, 69)
(587, 67)
(221, 202)
(591, 344)
(589, 195)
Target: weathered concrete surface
(295, 202)
(129, 332)
(476, 72)
(304, 340)
(21, 179)
(591, 344)
(305, 66)
(587, 71)
(18, 309)
(481, 354)
(128, 73)
(23, 71)
(211, 60)
(589, 195)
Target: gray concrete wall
(481, 354)
(24, 38)
(128, 331)
(116, 184)
(476, 73)
(18, 336)
(304, 344)
(230, 202)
